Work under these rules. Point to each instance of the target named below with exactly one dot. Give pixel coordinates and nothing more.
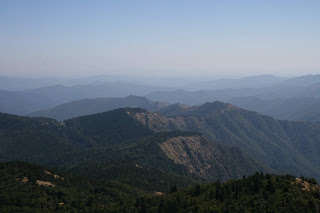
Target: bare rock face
(53, 175)
(45, 183)
(206, 159)
(191, 152)
(307, 186)
(23, 180)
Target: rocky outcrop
(207, 159)
(191, 152)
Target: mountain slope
(63, 146)
(115, 139)
(258, 193)
(36, 140)
(182, 153)
(131, 141)
(29, 188)
(284, 146)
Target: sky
(159, 38)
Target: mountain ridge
(97, 105)
(279, 144)
(102, 138)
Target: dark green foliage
(35, 140)
(20, 192)
(145, 178)
(138, 162)
(258, 193)
(110, 127)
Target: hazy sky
(153, 37)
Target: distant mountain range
(259, 81)
(28, 101)
(97, 105)
(301, 87)
(297, 109)
(301, 109)
(277, 97)
(21, 103)
(27, 83)
(292, 99)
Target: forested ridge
(29, 188)
(116, 140)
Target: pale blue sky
(165, 38)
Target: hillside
(114, 140)
(258, 193)
(36, 140)
(65, 147)
(284, 146)
(30, 188)
(179, 153)
(174, 152)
